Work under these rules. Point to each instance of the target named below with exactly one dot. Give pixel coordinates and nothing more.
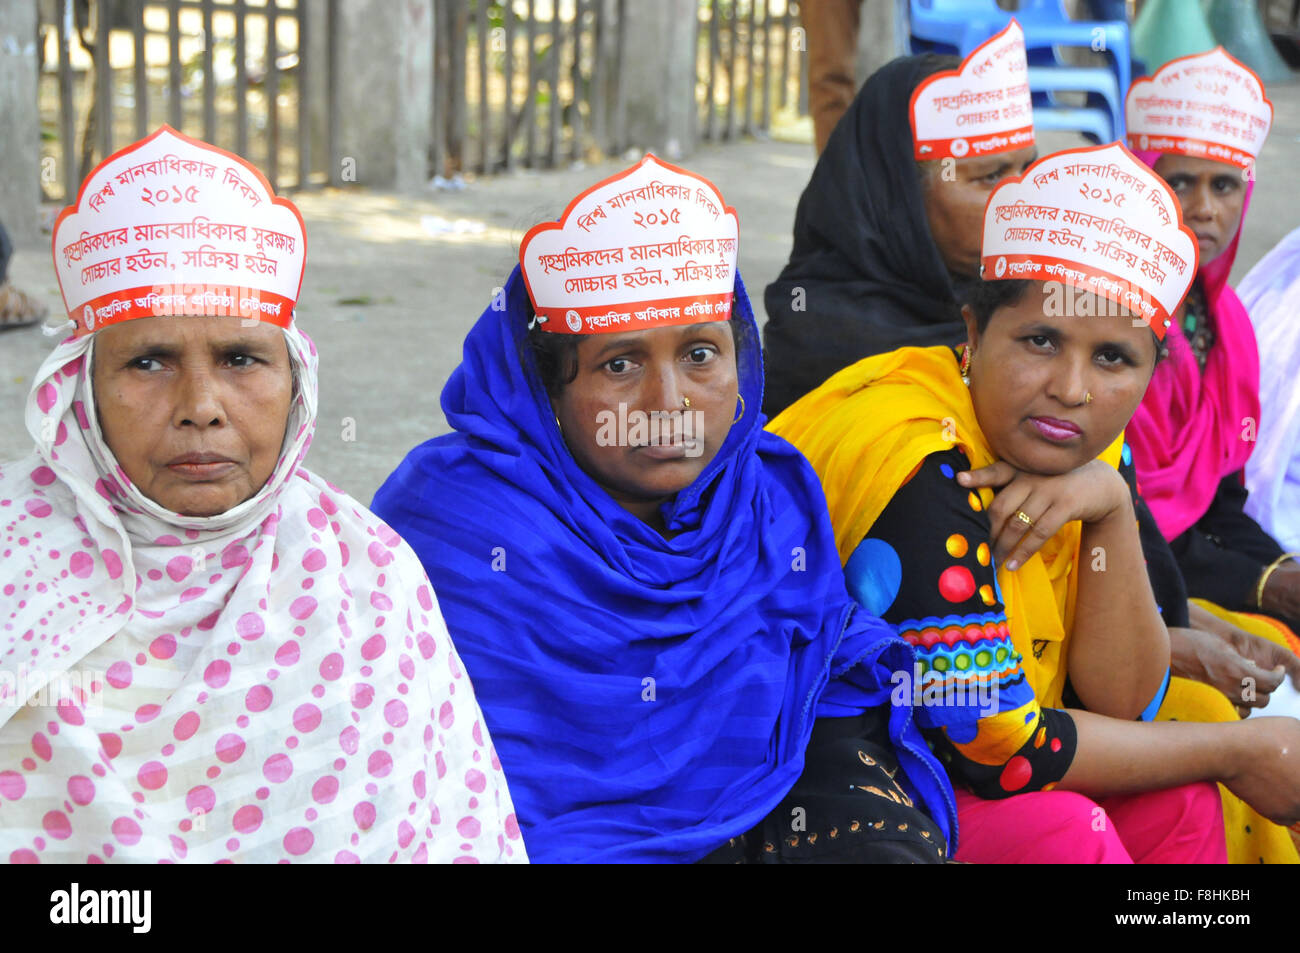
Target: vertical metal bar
(334, 169)
(305, 72)
(67, 128)
(272, 95)
(730, 132)
(508, 133)
(553, 80)
(599, 76)
(104, 82)
(530, 104)
(209, 77)
(801, 64)
(575, 80)
(784, 85)
(747, 127)
(620, 91)
(241, 79)
(711, 122)
(174, 63)
(481, 28)
(441, 83)
(141, 75)
(765, 123)
(458, 53)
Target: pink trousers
(1182, 825)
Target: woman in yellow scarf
(1043, 655)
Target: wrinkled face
(623, 416)
(956, 192)
(1212, 195)
(194, 409)
(1033, 366)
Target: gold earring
(686, 402)
(742, 407)
(965, 364)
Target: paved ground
(394, 282)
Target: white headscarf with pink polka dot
(273, 683)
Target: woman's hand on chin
(1091, 493)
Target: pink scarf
(274, 683)
(1193, 428)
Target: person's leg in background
(6, 252)
(17, 310)
(831, 29)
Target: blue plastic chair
(1100, 85)
(953, 26)
(958, 26)
(1046, 26)
(1093, 123)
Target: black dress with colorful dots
(927, 569)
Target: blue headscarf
(649, 697)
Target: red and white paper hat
(1209, 106)
(174, 226)
(652, 246)
(979, 109)
(1098, 219)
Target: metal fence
(750, 56)
(229, 71)
(531, 83)
(526, 82)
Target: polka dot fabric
(275, 684)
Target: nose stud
(686, 402)
(1087, 398)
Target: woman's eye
(701, 355)
(618, 365)
(242, 360)
(1039, 340)
(1111, 357)
(143, 364)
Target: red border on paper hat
(135, 311)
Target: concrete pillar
(658, 73)
(20, 125)
(385, 92)
(882, 35)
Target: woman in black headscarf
(880, 241)
(884, 249)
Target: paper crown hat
(1210, 106)
(648, 247)
(981, 108)
(174, 226)
(1098, 219)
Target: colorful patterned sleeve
(927, 569)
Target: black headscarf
(865, 276)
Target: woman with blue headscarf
(642, 582)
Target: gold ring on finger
(1020, 515)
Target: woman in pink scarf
(208, 653)
(1196, 427)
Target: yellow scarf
(868, 428)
